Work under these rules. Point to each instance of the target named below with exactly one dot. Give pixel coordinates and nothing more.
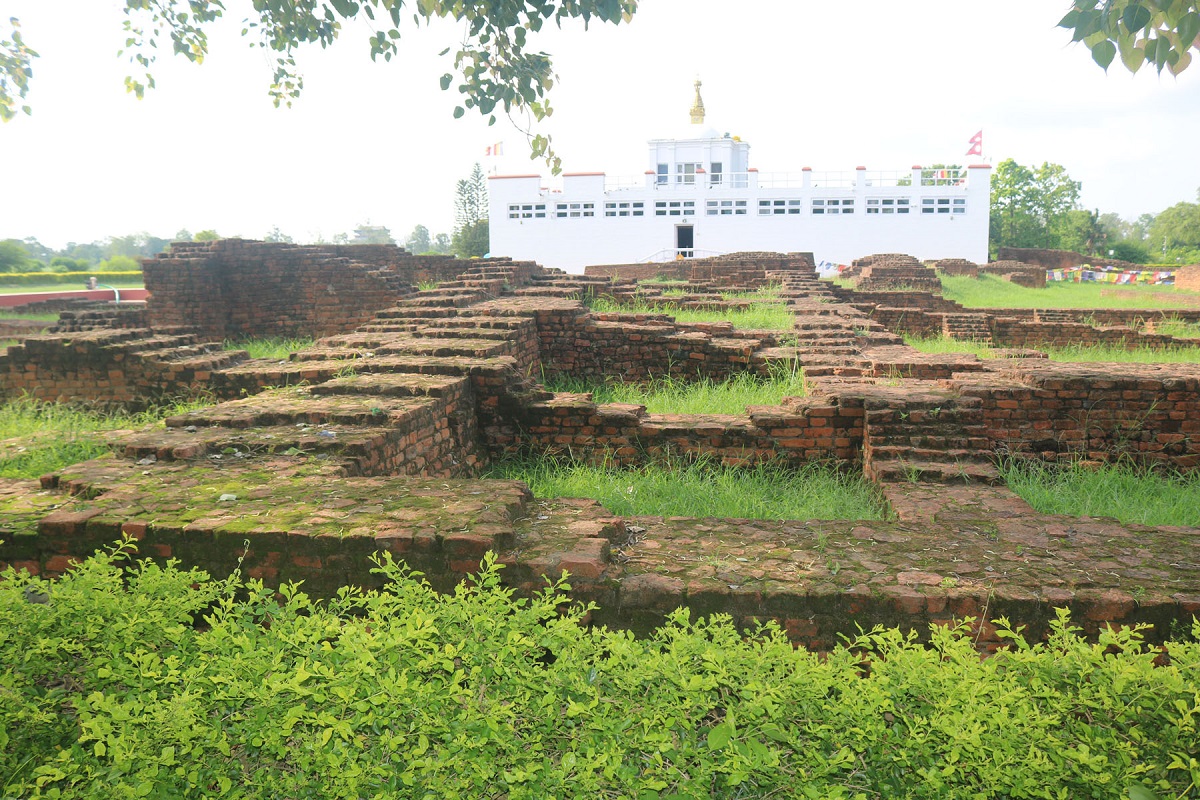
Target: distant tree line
(1039, 207)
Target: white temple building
(700, 197)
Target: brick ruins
(373, 438)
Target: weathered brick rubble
(371, 440)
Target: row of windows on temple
(715, 208)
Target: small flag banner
(1090, 274)
(496, 149)
(976, 143)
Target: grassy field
(762, 316)
(989, 291)
(1121, 491)
(1078, 353)
(43, 437)
(705, 396)
(703, 490)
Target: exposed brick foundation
(371, 440)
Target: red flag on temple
(976, 145)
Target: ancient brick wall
(1188, 278)
(131, 367)
(236, 288)
(638, 347)
(1020, 273)
(909, 321)
(1009, 332)
(573, 426)
(1145, 411)
(747, 270)
(1058, 259)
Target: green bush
(63, 278)
(156, 682)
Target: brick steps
(475, 348)
(413, 314)
(967, 327)
(905, 470)
(293, 406)
(924, 433)
(390, 384)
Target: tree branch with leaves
(494, 69)
(1158, 32)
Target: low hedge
(133, 680)
(64, 278)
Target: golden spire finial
(698, 107)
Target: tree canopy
(471, 230)
(1032, 207)
(1158, 32)
(492, 65)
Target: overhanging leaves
(495, 69)
(1159, 32)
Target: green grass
(1178, 328)
(769, 292)
(10, 313)
(761, 316)
(945, 344)
(701, 489)
(1121, 491)
(1138, 355)
(704, 396)
(271, 347)
(50, 436)
(1074, 353)
(989, 291)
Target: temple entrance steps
(967, 327)
(923, 433)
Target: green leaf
(1139, 792)
(445, 81)
(1131, 56)
(1104, 53)
(458, 112)
(719, 736)
(1136, 17)
(1188, 28)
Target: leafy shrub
(163, 683)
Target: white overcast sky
(831, 86)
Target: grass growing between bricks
(44, 437)
(760, 316)
(705, 396)
(277, 349)
(1121, 491)
(1180, 329)
(1073, 353)
(703, 489)
(135, 680)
